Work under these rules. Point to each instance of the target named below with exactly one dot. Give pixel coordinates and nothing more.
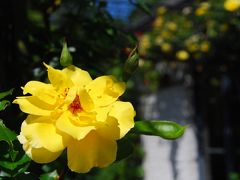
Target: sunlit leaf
(13, 154)
(26, 176)
(22, 169)
(6, 93)
(4, 175)
(50, 176)
(143, 6)
(13, 165)
(164, 129)
(4, 104)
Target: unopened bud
(66, 57)
(131, 64)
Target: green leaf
(165, 129)
(15, 168)
(6, 134)
(49, 176)
(143, 6)
(13, 165)
(4, 175)
(125, 148)
(4, 104)
(22, 169)
(6, 93)
(13, 154)
(66, 57)
(26, 176)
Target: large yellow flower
(74, 112)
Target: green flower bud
(131, 64)
(66, 57)
(165, 129)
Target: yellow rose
(232, 5)
(182, 55)
(77, 113)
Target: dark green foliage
(6, 134)
(5, 103)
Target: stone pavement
(170, 160)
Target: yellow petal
(107, 126)
(109, 129)
(39, 155)
(44, 135)
(78, 76)
(65, 124)
(38, 119)
(70, 95)
(105, 90)
(58, 79)
(33, 87)
(102, 113)
(42, 155)
(44, 92)
(124, 113)
(33, 105)
(85, 100)
(92, 151)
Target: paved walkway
(170, 160)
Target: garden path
(170, 160)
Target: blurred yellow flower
(172, 26)
(141, 62)
(192, 47)
(158, 22)
(194, 38)
(144, 44)
(159, 40)
(161, 10)
(182, 55)
(166, 47)
(231, 5)
(166, 34)
(77, 113)
(205, 46)
(202, 9)
(57, 2)
(192, 43)
(224, 27)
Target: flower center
(75, 106)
